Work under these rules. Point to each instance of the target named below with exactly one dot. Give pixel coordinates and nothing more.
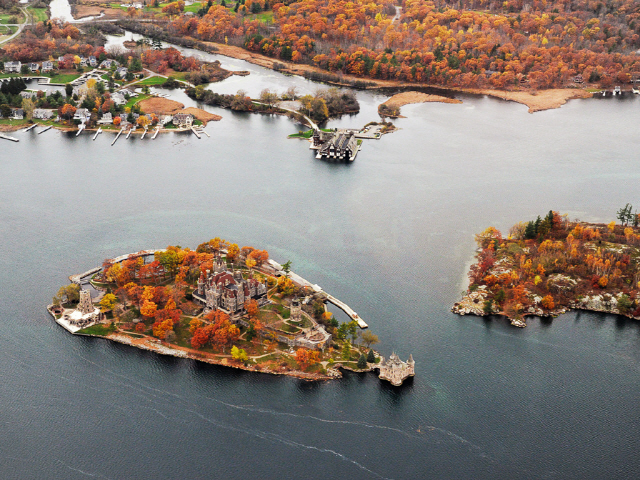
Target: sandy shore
(406, 98)
(536, 101)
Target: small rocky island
(224, 305)
(550, 265)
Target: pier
(347, 309)
(117, 136)
(31, 127)
(129, 134)
(97, 133)
(195, 132)
(80, 129)
(45, 129)
(7, 137)
(156, 134)
(146, 129)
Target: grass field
(64, 78)
(4, 18)
(99, 329)
(4, 30)
(38, 14)
(133, 100)
(152, 81)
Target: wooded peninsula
(550, 265)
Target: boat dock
(146, 129)
(45, 129)
(80, 129)
(195, 132)
(7, 137)
(97, 133)
(347, 309)
(129, 134)
(155, 134)
(31, 127)
(117, 136)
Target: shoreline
(537, 101)
(154, 345)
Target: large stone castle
(227, 291)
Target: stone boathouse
(395, 370)
(340, 145)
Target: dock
(97, 133)
(146, 129)
(195, 132)
(131, 130)
(7, 137)
(31, 127)
(45, 129)
(347, 309)
(117, 136)
(80, 129)
(156, 134)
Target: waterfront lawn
(8, 121)
(308, 134)
(152, 81)
(133, 100)
(4, 17)
(65, 77)
(38, 14)
(99, 330)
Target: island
(550, 265)
(224, 305)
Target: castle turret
(296, 310)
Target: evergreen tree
(362, 362)
(530, 231)
(536, 226)
(371, 358)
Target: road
(20, 26)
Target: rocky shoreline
(473, 304)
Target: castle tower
(85, 306)
(201, 284)
(218, 265)
(296, 310)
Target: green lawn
(307, 134)
(4, 18)
(64, 77)
(133, 100)
(4, 30)
(38, 14)
(152, 81)
(100, 330)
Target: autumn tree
(369, 338)
(305, 358)
(108, 302)
(239, 354)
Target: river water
(390, 234)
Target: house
(118, 98)
(83, 62)
(82, 114)
(47, 66)
(164, 119)
(12, 67)
(183, 120)
(42, 114)
(108, 63)
(122, 71)
(18, 114)
(106, 119)
(92, 61)
(34, 67)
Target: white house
(106, 119)
(12, 67)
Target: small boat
(617, 91)
(635, 90)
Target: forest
(551, 264)
(467, 43)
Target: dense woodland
(464, 43)
(551, 263)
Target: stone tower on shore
(85, 306)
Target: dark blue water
(390, 234)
